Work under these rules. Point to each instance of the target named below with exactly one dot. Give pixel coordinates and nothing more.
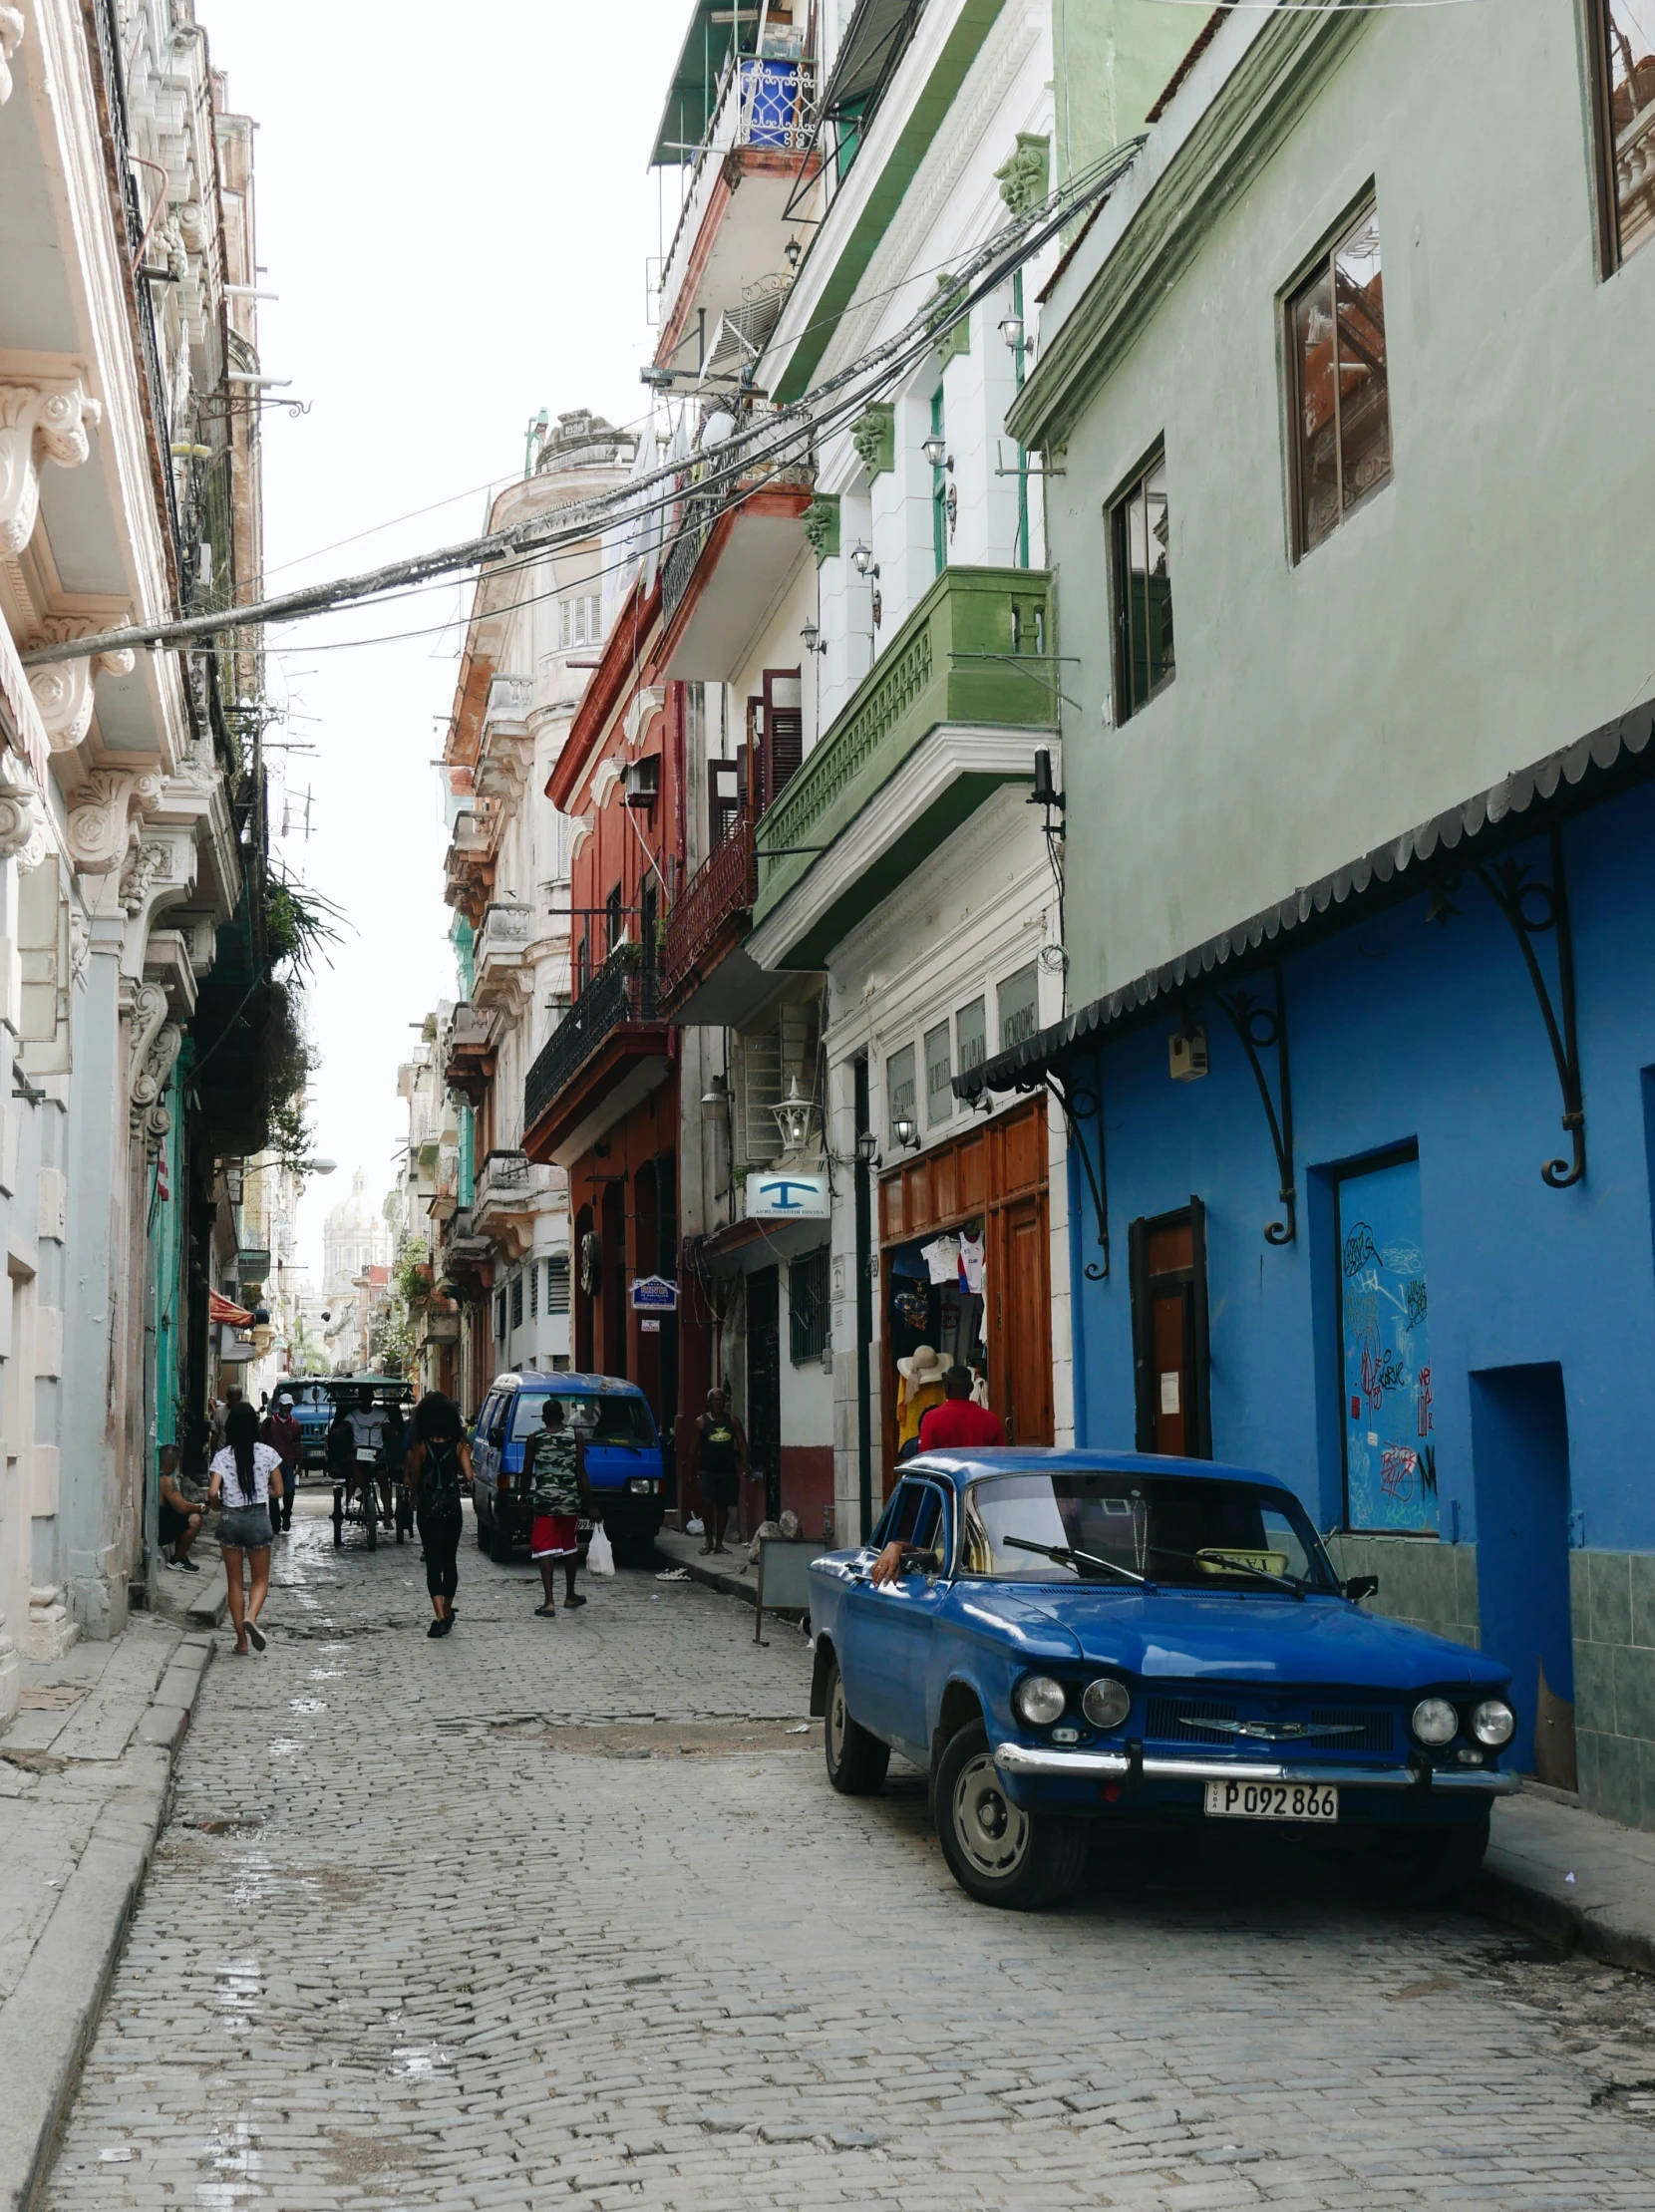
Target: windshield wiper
(1065, 1557)
(1240, 1566)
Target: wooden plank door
(1021, 1377)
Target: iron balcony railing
(725, 885)
(621, 994)
(768, 104)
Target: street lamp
(1013, 332)
(906, 1129)
(715, 1100)
(862, 561)
(812, 638)
(936, 453)
(794, 1117)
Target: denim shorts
(244, 1527)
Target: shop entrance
(1167, 1266)
(965, 1273)
(1520, 1468)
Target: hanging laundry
(971, 1265)
(942, 1258)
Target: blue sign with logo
(784, 1195)
(653, 1294)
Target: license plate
(1272, 1801)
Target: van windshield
(602, 1419)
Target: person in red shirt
(956, 1424)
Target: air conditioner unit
(643, 781)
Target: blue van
(623, 1460)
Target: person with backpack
(440, 1474)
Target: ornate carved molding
(46, 420)
(64, 690)
(24, 837)
(138, 876)
(100, 829)
(647, 701)
(11, 38)
(155, 1043)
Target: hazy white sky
(454, 209)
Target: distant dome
(356, 1215)
(355, 1235)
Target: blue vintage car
(1081, 1636)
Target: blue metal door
(1384, 1330)
(1521, 1465)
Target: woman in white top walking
(245, 1476)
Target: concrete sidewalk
(85, 1766)
(1566, 1877)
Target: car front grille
(1174, 1719)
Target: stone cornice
(1170, 204)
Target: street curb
(1565, 1925)
(47, 2023)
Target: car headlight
(1434, 1722)
(1494, 1723)
(1039, 1699)
(641, 1485)
(1107, 1702)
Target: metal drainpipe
(864, 1311)
(1022, 456)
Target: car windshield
(604, 1418)
(1201, 1532)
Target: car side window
(496, 1435)
(917, 1516)
(484, 1419)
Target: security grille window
(939, 1090)
(1019, 1008)
(500, 1318)
(534, 1290)
(580, 620)
(900, 1088)
(1623, 58)
(807, 1307)
(971, 1035)
(558, 1284)
(756, 1091)
(1341, 404)
(517, 1301)
(1142, 533)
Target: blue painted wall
(1403, 1030)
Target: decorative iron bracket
(1533, 909)
(1261, 1029)
(1078, 1105)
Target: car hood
(1186, 1636)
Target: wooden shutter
(784, 729)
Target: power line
(774, 444)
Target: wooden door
(1169, 1317)
(1021, 1378)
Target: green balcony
(955, 706)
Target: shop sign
(780, 1194)
(653, 1294)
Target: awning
(688, 110)
(869, 50)
(220, 1312)
(1582, 775)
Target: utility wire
(774, 442)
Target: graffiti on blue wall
(1389, 1450)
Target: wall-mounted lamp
(868, 1149)
(904, 1131)
(794, 252)
(794, 1117)
(936, 453)
(715, 1100)
(1013, 332)
(862, 561)
(812, 638)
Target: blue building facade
(1448, 1354)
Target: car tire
(998, 1852)
(482, 1528)
(856, 1760)
(1425, 1866)
(499, 1545)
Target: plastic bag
(599, 1558)
(694, 1526)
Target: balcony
(955, 706)
(706, 978)
(469, 867)
(733, 547)
(499, 953)
(605, 1057)
(756, 149)
(506, 747)
(504, 1207)
(468, 1052)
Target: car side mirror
(1362, 1586)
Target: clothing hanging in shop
(942, 1257)
(972, 1264)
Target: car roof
(966, 1467)
(563, 1384)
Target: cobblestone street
(566, 1913)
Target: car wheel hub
(992, 1831)
(835, 1723)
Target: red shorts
(554, 1536)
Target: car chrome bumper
(1036, 1761)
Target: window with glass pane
(1019, 1008)
(1625, 62)
(971, 1035)
(1143, 591)
(939, 1086)
(900, 1088)
(1341, 416)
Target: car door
(483, 1475)
(887, 1632)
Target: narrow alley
(420, 1932)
